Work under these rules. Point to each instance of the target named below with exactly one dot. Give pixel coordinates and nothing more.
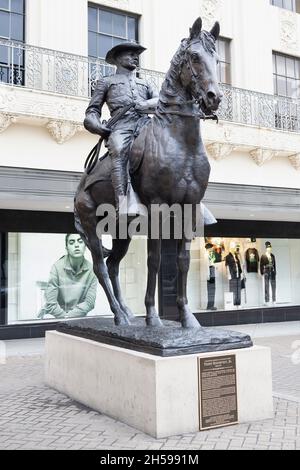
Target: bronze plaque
(217, 392)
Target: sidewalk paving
(33, 416)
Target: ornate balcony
(56, 72)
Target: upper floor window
(224, 68)
(12, 14)
(292, 5)
(107, 28)
(12, 19)
(286, 74)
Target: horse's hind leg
(119, 250)
(86, 212)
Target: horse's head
(199, 68)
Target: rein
(200, 115)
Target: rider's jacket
(118, 91)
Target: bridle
(194, 79)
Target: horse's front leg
(183, 264)
(119, 250)
(152, 317)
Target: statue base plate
(169, 340)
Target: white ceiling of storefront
(26, 189)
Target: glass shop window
(50, 277)
(243, 273)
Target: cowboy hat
(123, 46)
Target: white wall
(58, 24)
(240, 168)
(32, 147)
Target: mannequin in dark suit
(234, 270)
(211, 276)
(268, 270)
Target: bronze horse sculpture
(173, 169)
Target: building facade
(51, 55)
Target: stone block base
(157, 395)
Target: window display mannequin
(252, 258)
(268, 270)
(234, 272)
(218, 249)
(241, 259)
(211, 276)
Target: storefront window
(243, 273)
(50, 277)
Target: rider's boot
(119, 181)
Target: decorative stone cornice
(219, 150)
(295, 161)
(7, 98)
(261, 156)
(39, 106)
(62, 131)
(6, 119)
(288, 30)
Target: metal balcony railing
(259, 109)
(68, 74)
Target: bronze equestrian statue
(122, 90)
(168, 155)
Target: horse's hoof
(154, 321)
(128, 313)
(122, 320)
(191, 322)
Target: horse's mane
(169, 87)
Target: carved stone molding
(208, 12)
(62, 131)
(33, 104)
(7, 97)
(295, 161)
(288, 30)
(262, 156)
(6, 119)
(219, 151)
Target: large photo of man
(72, 285)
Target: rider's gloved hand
(141, 106)
(104, 131)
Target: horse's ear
(195, 30)
(215, 31)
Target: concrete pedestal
(156, 395)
